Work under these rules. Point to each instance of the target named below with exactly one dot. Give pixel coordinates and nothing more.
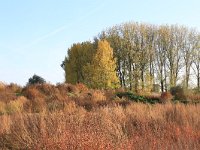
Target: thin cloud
(62, 28)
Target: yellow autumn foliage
(101, 73)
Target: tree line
(145, 55)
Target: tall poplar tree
(101, 73)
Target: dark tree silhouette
(36, 79)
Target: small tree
(36, 79)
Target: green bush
(137, 98)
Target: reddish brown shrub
(138, 126)
(120, 90)
(2, 86)
(70, 88)
(67, 88)
(85, 100)
(2, 108)
(122, 102)
(194, 98)
(14, 88)
(97, 96)
(52, 93)
(16, 106)
(82, 87)
(166, 97)
(110, 94)
(7, 95)
(31, 92)
(36, 105)
(45, 88)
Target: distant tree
(101, 73)
(190, 55)
(160, 55)
(78, 56)
(196, 67)
(36, 79)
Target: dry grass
(193, 97)
(138, 126)
(2, 108)
(74, 117)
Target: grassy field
(74, 117)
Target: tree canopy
(145, 55)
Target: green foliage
(36, 79)
(136, 98)
(145, 55)
(92, 66)
(79, 55)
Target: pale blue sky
(35, 34)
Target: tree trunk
(142, 78)
(162, 85)
(130, 77)
(161, 81)
(165, 78)
(198, 79)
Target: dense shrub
(98, 96)
(47, 97)
(15, 88)
(178, 93)
(67, 88)
(16, 105)
(46, 117)
(46, 89)
(166, 97)
(137, 126)
(2, 86)
(13, 106)
(2, 108)
(31, 92)
(82, 87)
(7, 95)
(193, 97)
(111, 94)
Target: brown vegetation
(166, 97)
(64, 116)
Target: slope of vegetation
(65, 116)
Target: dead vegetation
(66, 116)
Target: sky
(36, 34)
